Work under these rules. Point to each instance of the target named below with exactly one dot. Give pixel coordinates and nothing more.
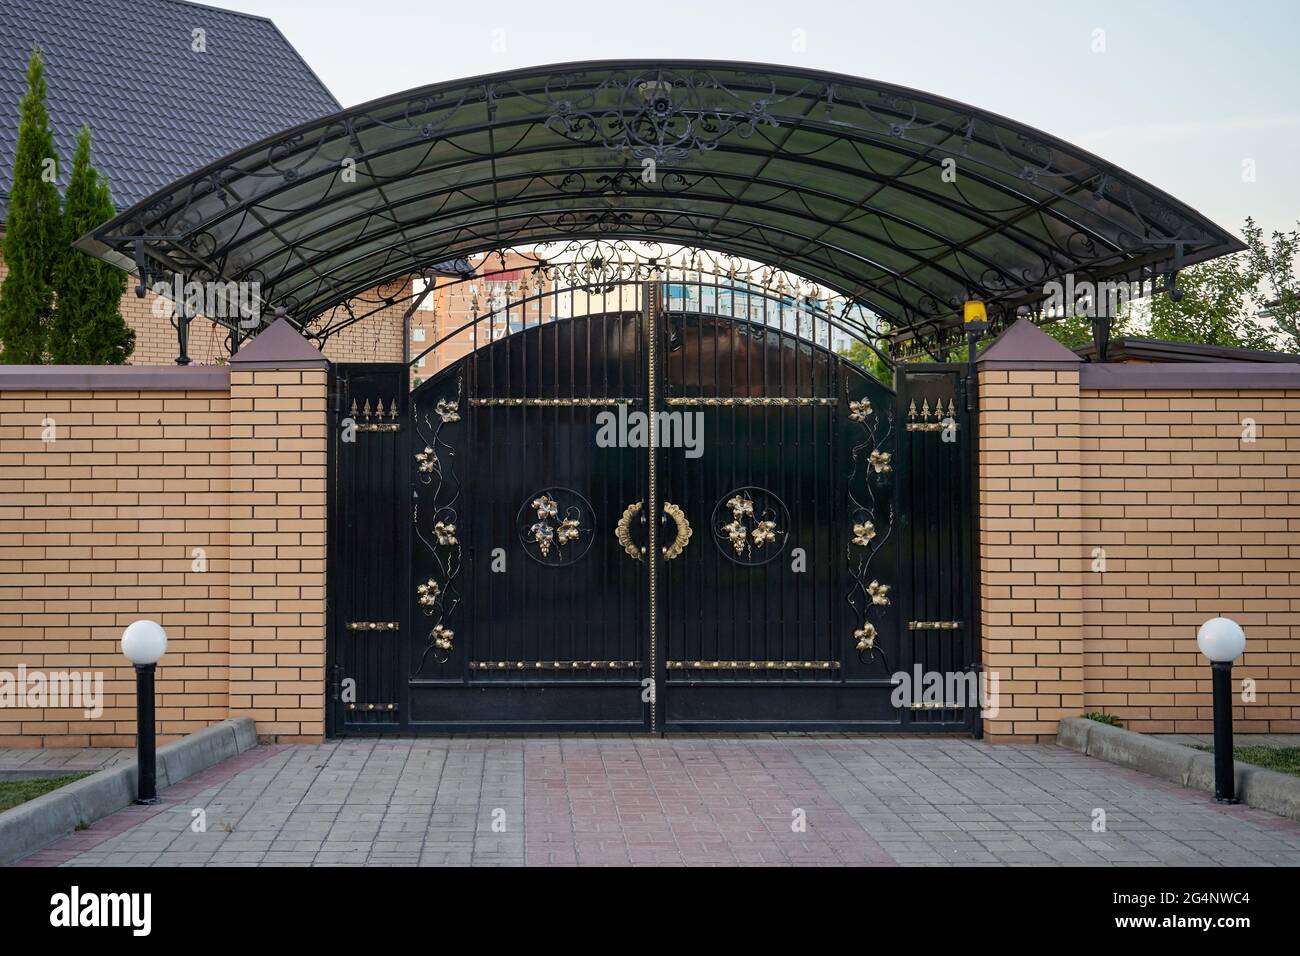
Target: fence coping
(125, 378)
(1189, 376)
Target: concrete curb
(37, 823)
(1256, 787)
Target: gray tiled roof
(157, 110)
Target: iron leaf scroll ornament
(437, 494)
(872, 523)
(750, 526)
(556, 526)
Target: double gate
(647, 520)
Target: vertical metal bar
(650, 305)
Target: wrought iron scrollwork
(872, 522)
(750, 526)
(437, 495)
(556, 527)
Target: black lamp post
(143, 642)
(1222, 640)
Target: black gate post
(974, 330)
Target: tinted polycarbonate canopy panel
(834, 178)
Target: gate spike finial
(925, 409)
(365, 410)
(911, 409)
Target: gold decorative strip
(553, 402)
(372, 625)
(936, 705)
(754, 665)
(369, 707)
(390, 427)
(944, 419)
(933, 625)
(554, 665)
(679, 400)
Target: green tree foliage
(32, 229)
(87, 329)
(1246, 300)
(869, 361)
(1075, 332)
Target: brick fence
(194, 497)
(1121, 506)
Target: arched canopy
(902, 202)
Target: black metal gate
(647, 519)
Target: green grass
(14, 792)
(1284, 759)
(1101, 718)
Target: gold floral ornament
(568, 531)
(860, 410)
(863, 533)
(442, 637)
(445, 533)
(447, 410)
(879, 593)
(426, 461)
(881, 462)
(428, 593)
(740, 506)
(543, 534)
(736, 535)
(763, 533)
(865, 636)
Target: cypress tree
(87, 328)
(32, 229)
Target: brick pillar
(1031, 535)
(277, 535)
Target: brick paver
(681, 801)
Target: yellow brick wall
(1030, 536)
(97, 529)
(277, 574)
(1195, 522)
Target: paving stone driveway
(688, 800)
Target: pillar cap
(279, 346)
(1025, 346)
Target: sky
(1200, 99)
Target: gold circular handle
(623, 531)
(683, 536)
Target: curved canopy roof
(903, 202)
